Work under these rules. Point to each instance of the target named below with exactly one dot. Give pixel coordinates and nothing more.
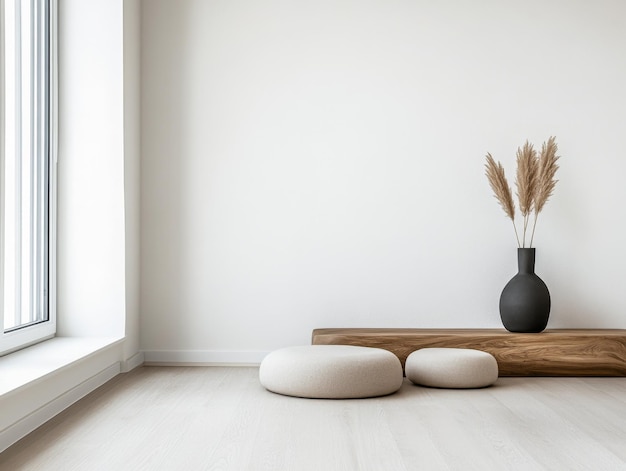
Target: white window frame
(30, 334)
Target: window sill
(38, 382)
(23, 367)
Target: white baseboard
(23, 427)
(133, 362)
(204, 357)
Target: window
(27, 171)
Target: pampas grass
(501, 189)
(534, 181)
(547, 168)
(526, 183)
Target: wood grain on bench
(557, 352)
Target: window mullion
(18, 164)
(45, 156)
(2, 152)
(34, 160)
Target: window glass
(26, 169)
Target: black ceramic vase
(525, 300)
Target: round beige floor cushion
(331, 372)
(451, 368)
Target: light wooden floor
(201, 418)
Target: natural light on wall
(26, 170)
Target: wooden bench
(558, 352)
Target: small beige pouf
(451, 368)
(331, 372)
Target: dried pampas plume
(534, 181)
(526, 182)
(546, 171)
(501, 188)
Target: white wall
(98, 209)
(91, 169)
(132, 174)
(320, 164)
